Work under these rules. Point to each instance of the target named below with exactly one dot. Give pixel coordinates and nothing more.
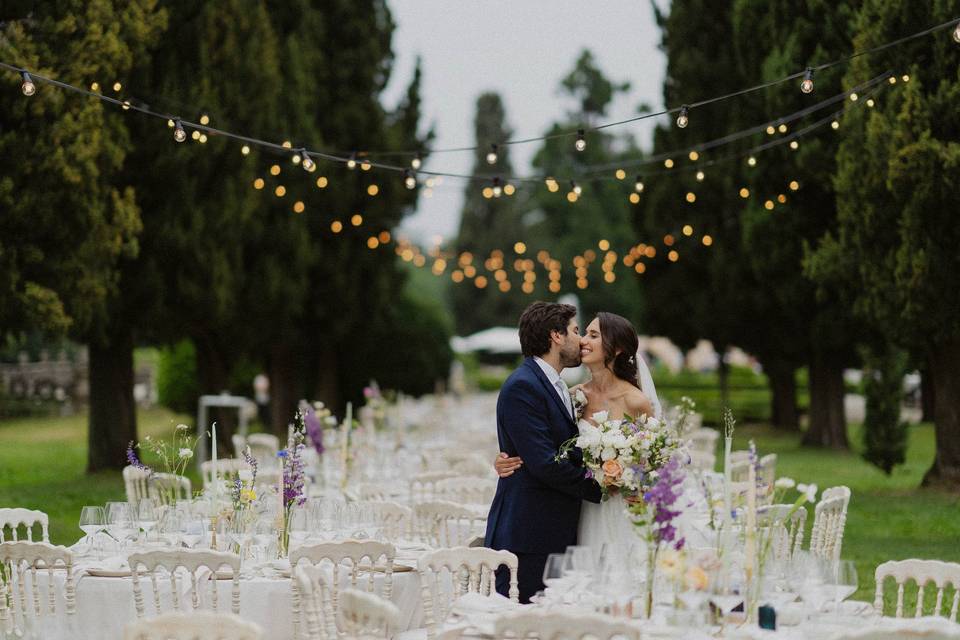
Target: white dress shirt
(554, 377)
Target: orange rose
(612, 470)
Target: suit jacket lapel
(551, 390)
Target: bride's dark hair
(620, 345)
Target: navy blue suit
(536, 511)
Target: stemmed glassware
(843, 582)
(91, 523)
(147, 516)
(120, 522)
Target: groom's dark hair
(536, 323)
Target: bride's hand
(505, 465)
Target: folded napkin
(474, 603)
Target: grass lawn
(42, 462)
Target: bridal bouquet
(626, 455)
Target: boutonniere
(579, 399)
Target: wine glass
(553, 577)
(299, 526)
(844, 582)
(727, 588)
(193, 529)
(579, 562)
(816, 589)
(147, 516)
(91, 523)
(119, 521)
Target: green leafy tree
(895, 251)
(488, 224)
(884, 433)
(70, 212)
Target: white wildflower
(182, 427)
(579, 396)
(185, 454)
(608, 453)
(808, 490)
(785, 483)
(600, 416)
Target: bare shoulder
(637, 402)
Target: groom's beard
(571, 358)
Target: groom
(536, 511)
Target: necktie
(565, 396)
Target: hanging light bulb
(700, 176)
(577, 189)
(492, 154)
(497, 189)
(684, 118)
(581, 143)
(178, 133)
(27, 86)
(352, 162)
(807, 84)
(416, 162)
(409, 181)
(306, 161)
(638, 185)
(956, 33)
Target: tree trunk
(828, 425)
(783, 398)
(113, 415)
(328, 378)
(213, 376)
(283, 388)
(928, 397)
(945, 370)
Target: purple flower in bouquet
(662, 499)
(294, 475)
(314, 429)
(248, 457)
(134, 461)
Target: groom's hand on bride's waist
(505, 465)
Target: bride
(621, 385)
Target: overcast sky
(520, 49)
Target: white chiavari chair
(362, 560)
(766, 475)
(394, 520)
(423, 486)
(702, 460)
(739, 470)
(198, 564)
(704, 440)
(899, 629)
(264, 447)
(447, 524)
(788, 529)
(267, 477)
(197, 625)
(168, 488)
(922, 573)
(554, 625)
(136, 481)
(366, 616)
(13, 519)
(447, 574)
(829, 521)
(239, 444)
(466, 490)
(313, 587)
(226, 468)
(378, 491)
(24, 612)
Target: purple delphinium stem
(134, 461)
(661, 498)
(252, 462)
(314, 429)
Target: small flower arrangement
(294, 478)
(316, 418)
(579, 399)
(376, 405)
(173, 455)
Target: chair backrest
(378, 491)
(702, 460)
(898, 629)
(239, 444)
(394, 520)
(365, 615)
(469, 463)
(313, 590)
(14, 518)
(787, 533)
(469, 569)
(194, 561)
(767, 474)
(553, 624)
(168, 488)
(704, 440)
(423, 486)
(267, 477)
(136, 481)
(266, 441)
(466, 490)
(447, 524)
(740, 470)
(17, 561)
(197, 625)
(360, 558)
(922, 572)
(227, 468)
(829, 521)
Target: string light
(27, 85)
(245, 150)
(956, 34)
(638, 185)
(497, 189)
(577, 189)
(204, 119)
(752, 161)
(700, 176)
(409, 181)
(492, 154)
(581, 142)
(117, 86)
(684, 118)
(352, 162)
(835, 125)
(807, 84)
(178, 133)
(416, 162)
(306, 161)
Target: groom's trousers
(529, 576)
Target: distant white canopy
(492, 340)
